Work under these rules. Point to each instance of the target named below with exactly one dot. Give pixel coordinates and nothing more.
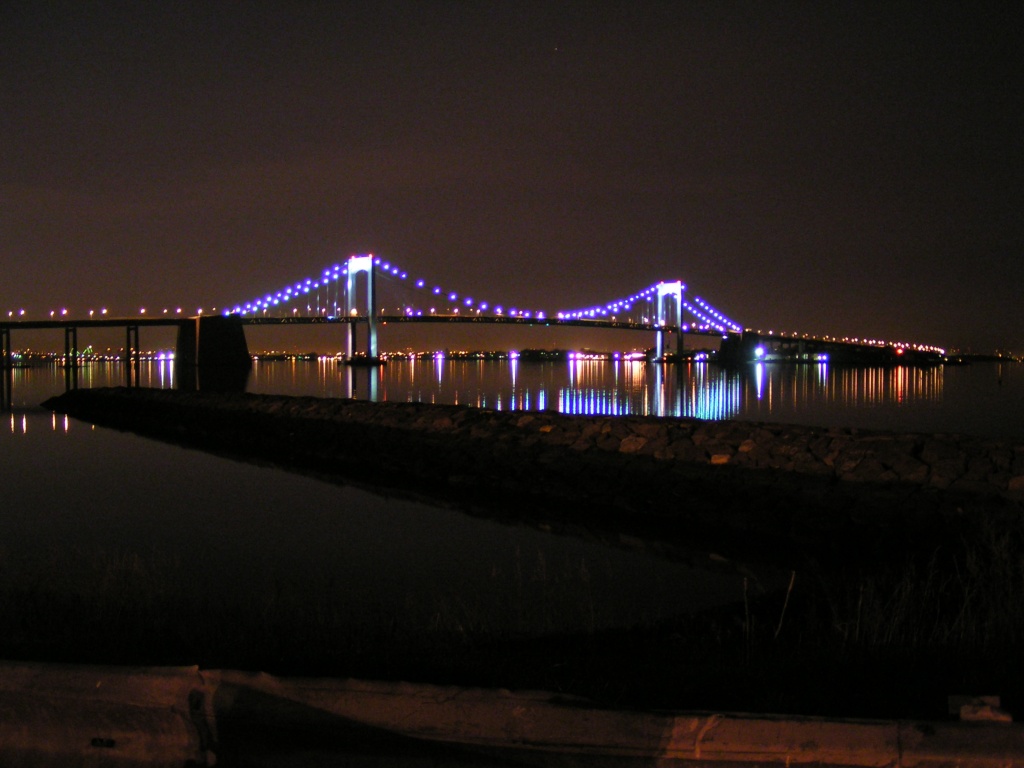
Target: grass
(891, 639)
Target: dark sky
(847, 168)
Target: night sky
(831, 168)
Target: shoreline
(900, 593)
(803, 491)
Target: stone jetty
(667, 479)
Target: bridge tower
(670, 302)
(357, 265)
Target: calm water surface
(984, 399)
(71, 490)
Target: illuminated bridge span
(367, 290)
(372, 290)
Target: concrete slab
(71, 715)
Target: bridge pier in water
(71, 357)
(132, 356)
(738, 349)
(6, 370)
(212, 353)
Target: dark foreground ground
(901, 556)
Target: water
(983, 399)
(72, 491)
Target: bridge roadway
(661, 331)
(132, 325)
(132, 350)
(480, 319)
(739, 347)
(122, 322)
(224, 342)
(792, 349)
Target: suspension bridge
(368, 292)
(372, 291)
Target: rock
(632, 444)
(945, 472)
(938, 449)
(906, 467)
(319, 434)
(867, 470)
(650, 431)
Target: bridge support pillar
(71, 357)
(356, 265)
(6, 370)
(738, 349)
(670, 307)
(7, 357)
(350, 340)
(132, 355)
(660, 347)
(212, 354)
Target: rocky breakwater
(800, 492)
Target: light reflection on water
(79, 499)
(986, 399)
(74, 491)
